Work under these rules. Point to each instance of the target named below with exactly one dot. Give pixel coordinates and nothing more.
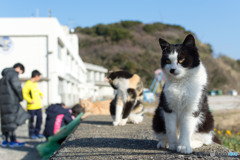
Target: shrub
(87, 30)
(117, 34)
(219, 79)
(130, 24)
(150, 28)
(101, 30)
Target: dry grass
(227, 119)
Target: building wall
(43, 44)
(26, 51)
(96, 74)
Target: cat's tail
(216, 139)
(200, 139)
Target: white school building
(45, 45)
(96, 74)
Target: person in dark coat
(12, 114)
(57, 117)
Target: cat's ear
(108, 74)
(189, 41)
(164, 44)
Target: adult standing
(33, 96)
(12, 114)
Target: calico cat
(127, 104)
(183, 102)
(95, 108)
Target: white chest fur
(184, 94)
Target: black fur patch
(114, 87)
(113, 106)
(158, 124)
(127, 109)
(132, 93)
(141, 93)
(187, 51)
(158, 119)
(208, 123)
(163, 103)
(137, 104)
(120, 74)
(203, 102)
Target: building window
(67, 57)
(88, 76)
(60, 86)
(100, 77)
(95, 77)
(60, 50)
(71, 63)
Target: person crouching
(57, 117)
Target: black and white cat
(182, 119)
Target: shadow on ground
(98, 122)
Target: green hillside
(133, 46)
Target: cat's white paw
(184, 149)
(173, 147)
(115, 123)
(161, 144)
(136, 119)
(123, 122)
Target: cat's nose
(172, 70)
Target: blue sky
(216, 22)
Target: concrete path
(96, 138)
(28, 152)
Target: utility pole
(49, 13)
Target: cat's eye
(168, 61)
(181, 60)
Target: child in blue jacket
(57, 116)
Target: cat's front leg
(171, 129)
(118, 114)
(126, 112)
(187, 126)
(85, 115)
